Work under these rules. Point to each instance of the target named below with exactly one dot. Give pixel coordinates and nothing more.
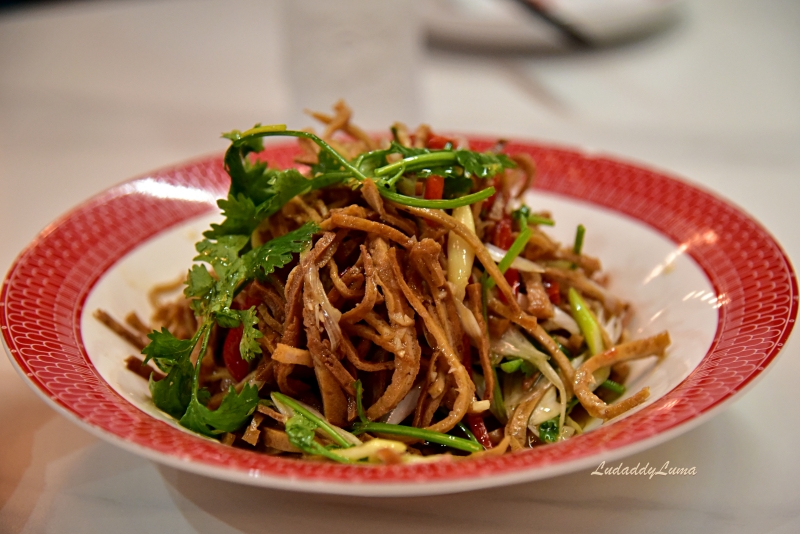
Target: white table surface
(94, 93)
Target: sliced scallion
(514, 250)
(576, 248)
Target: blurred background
(96, 92)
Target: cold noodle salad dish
(389, 300)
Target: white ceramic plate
(689, 262)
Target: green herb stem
(437, 204)
(468, 432)
(498, 407)
(321, 423)
(280, 130)
(538, 219)
(579, 239)
(359, 404)
(418, 433)
(419, 161)
(206, 331)
(586, 322)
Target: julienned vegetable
(338, 312)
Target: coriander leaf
(277, 252)
(241, 217)
(225, 316)
(222, 253)
(407, 151)
(483, 165)
(300, 432)
(253, 144)
(325, 163)
(249, 347)
(264, 194)
(166, 350)
(198, 282)
(234, 270)
(230, 416)
(283, 186)
(173, 393)
(548, 431)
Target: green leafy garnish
(231, 414)
(300, 431)
(333, 167)
(166, 350)
(245, 210)
(249, 347)
(179, 393)
(483, 165)
(548, 431)
(173, 393)
(325, 426)
(214, 297)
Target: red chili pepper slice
(497, 184)
(512, 277)
(237, 367)
(502, 233)
(478, 429)
(434, 187)
(553, 291)
(438, 142)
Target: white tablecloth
(93, 93)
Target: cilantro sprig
(179, 394)
(457, 166)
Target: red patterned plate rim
(42, 300)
